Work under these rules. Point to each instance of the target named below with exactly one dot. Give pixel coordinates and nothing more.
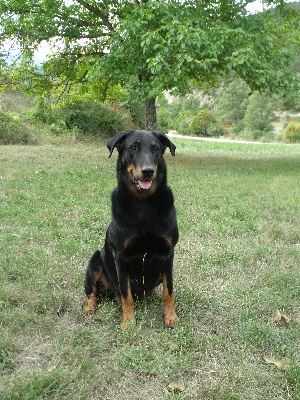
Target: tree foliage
(260, 114)
(149, 46)
(232, 101)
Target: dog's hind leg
(95, 282)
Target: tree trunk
(150, 114)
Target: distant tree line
(230, 110)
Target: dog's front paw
(127, 323)
(89, 310)
(170, 320)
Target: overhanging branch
(97, 12)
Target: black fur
(139, 246)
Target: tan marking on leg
(92, 303)
(170, 317)
(127, 308)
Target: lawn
(236, 264)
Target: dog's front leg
(170, 317)
(126, 301)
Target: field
(237, 264)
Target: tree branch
(97, 12)
(88, 36)
(81, 55)
(105, 89)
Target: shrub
(183, 121)
(292, 132)
(164, 121)
(215, 130)
(202, 122)
(239, 127)
(12, 131)
(137, 113)
(99, 120)
(43, 111)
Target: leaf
(277, 316)
(176, 385)
(285, 319)
(281, 318)
(276, 361)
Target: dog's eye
(133, 147)
(155, 148)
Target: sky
(255, 6)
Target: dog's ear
(116, 141)
(166, 142)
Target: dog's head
(140, 155)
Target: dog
(139, 247)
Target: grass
(237, 262)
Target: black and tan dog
(139, 246)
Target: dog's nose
(147, 171)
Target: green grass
(236, 263)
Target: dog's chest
(147, 243)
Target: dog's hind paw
(91, 306)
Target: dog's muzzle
(142, 184)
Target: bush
(215, 130)
(239, 127)
(137, 113)
(292, 132)
(98, 120)
(12, 131)
(204, 124)
(43, 111)
(164, 121)
(183, 121)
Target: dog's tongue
(145, 184)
